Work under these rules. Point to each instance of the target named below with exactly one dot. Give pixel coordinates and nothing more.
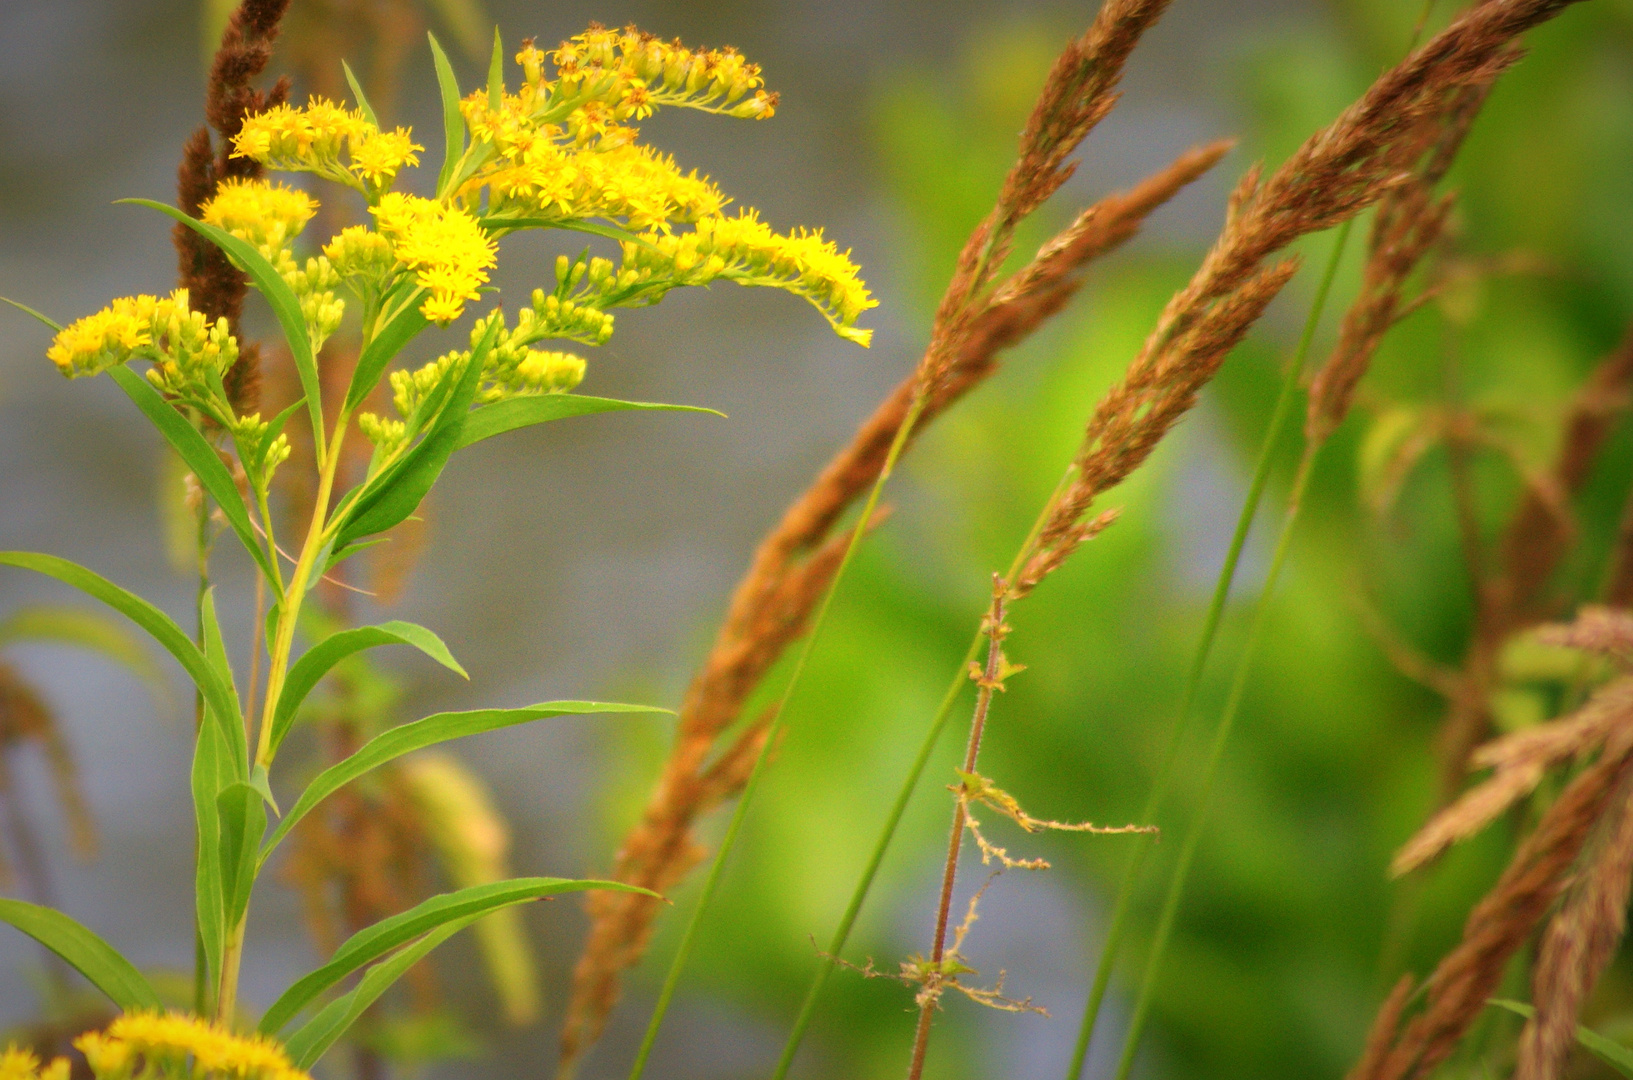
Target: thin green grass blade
(25, 309)
(85, 952)
(1609, 1051)
(363, 105)
(496, 73)
(520, 412)
(88, 630)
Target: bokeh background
(591, 559)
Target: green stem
(1244, 667)
(864, 885)
(201, 968)
(711, 883)
(1274, 433)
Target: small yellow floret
(179, 1041)
(106, 339)
(265, 214)
(448, 251)
(20, 1064)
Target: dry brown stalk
(974, 324)
(215, 288)
(1497, 927)
(1579, 943)
(1513, 597)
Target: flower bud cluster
(314, 285)
(553, 316)
(190, 354)
(312, 139)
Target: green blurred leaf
(320, 658)
(47, 320)
(209, 778)
(1609, 1051)
(496, 73)
(370, 944)
(467, 20)
(453, 124)
(519, 412)
(86, 630)
(87, 953)
(363, 105)
(217, 693)
(438, 728)
(285, 307)
(200, 457)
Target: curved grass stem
(1274, 433)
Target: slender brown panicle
(215, 288)
(976, 321)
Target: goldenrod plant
(559, 152)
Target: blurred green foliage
(1291, 931)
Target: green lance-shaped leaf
(85, 952)
(496, 73)
(317, 661)
(242, 811)
(232, 732)
(201, 458)
(218, 693)
(520, 412)
(368, 945)
(363, 105)
(285, 306)
(312, 1040)
(403, 323)
(396, 492)
(25, 309)
(1609, 1051)
(439, 728)
(453, 124)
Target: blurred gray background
(575, 561)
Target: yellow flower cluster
(642, 187)
(152, 1045)
(634, 72)
(745, 250)
(266, 215)
(312, 139)
(446, 248)
(185, 347)
(20, 1064)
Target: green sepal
(438, 728)
(85, 952)
(317, 661)
(371, 943)
(285, 306)
(201, 458)
(525, 411)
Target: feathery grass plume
(1579, 943)
(791, 567)
(1522, 759)
(1498, 927)
(216, 286)
(1513, 596)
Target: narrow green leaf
(320, 658)
(209, 779)
(387, 342)
(397, 491)
(1607, 1050)
(160, 626)
(234, 738)
(519, 412)
(363, 105)
(261, 781)
(46, 319)
(439, 728)
(89, 630)
(496, 73)
(309, 1042)
(85, 952)
(594, 228)
(453, 124)
(338, 556)
(371, 943)
(274, 428)
(278, 294)
(201, 458)
(243, 823)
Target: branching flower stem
(1280, 417)
(887, 834)
(689, 939)
(990, 679)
